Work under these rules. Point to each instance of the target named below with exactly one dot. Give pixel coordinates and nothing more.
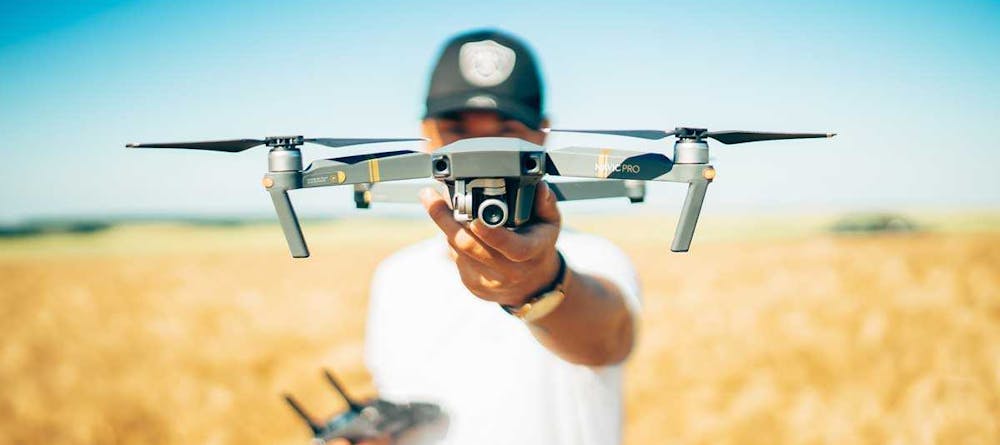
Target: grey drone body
(493, 178)
(364, 421)
(486, 173)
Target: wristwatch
(546, 300)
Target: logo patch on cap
(481, 102)
(486, 63)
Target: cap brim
(513, 109)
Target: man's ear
(429, 129)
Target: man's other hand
(497, 264)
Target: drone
(493, 178)
(363, 421)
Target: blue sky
(913, 88)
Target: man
(448, 320)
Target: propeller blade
(643, 134)
(229, 145)
(344, 142)
(739, 137)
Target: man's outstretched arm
(592, 326)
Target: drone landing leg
(689, 216)
(289, 223)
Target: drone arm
(635, 191)
(400, 193)
(370, 168)
(610, 163)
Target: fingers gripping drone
(492, 179)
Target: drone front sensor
(494, 178)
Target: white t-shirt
(430, 340)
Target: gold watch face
(543, 306)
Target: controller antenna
(302, 413)
(354, 406)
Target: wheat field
(177, 335)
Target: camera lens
(493, 212)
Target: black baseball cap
(487, 70)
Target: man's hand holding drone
(592, 326)
(497, 264)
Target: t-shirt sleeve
(597, 256)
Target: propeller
(228, 145)
(238, 145)
(643, 134)
(739, 137)
(344, 142)
(726, 137)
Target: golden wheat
(817, 339)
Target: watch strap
(524, 311)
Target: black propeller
(726, 137)
(238, 145)
(229, 145)
(739, 137)
(344, 142)
(643, 134)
